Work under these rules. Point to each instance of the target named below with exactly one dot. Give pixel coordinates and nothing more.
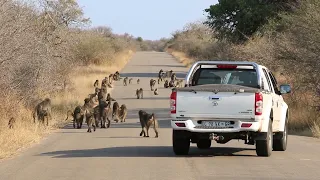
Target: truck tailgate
(205, 104)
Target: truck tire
(280, 143)
(204, 143)
(181, 144)
(264, 147)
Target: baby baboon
(139, 93)
(123, 113)
(130, 81)
(138, 81)
(155, 92)
(43, 110)
(146, 120)
(166, 84)
(109, 98)
(96, 83)
(115, 111)
(11, 122)
(152, 83)
(125, 81)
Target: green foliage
(238, 20)
(139, 39)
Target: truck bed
(218, 88)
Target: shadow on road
(162, 124)
(145, 151)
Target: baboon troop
(99, 107)
(147, 120)
(43, 111)
(139, 93)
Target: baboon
(168, 74)
(89, 119)
(123, 111)
(146, 120)
(179, 83)
(11, 122)
(93, 97)
(102, 113)
(77, 115)
(42, 111)
(130, 80)
(160, 74)
(96, 83)
(171, 83)
(111, 78)
(173, 77)
(125, 81)
(115, 111)
(158, 81)
(96, 90)
(109, 98)
(155, 92)
(138, 81)
(139, 93)
(166, 84)
(152, 83)
(116, 76)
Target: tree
(139, 39)
(237, 20)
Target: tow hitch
(216, 137)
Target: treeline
(282, 35)
(42, 43)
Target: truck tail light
(258, 103)
(173, 102)
(226, 66)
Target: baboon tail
(68, 112)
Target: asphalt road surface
(120, 153)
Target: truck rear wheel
(181, 143)
(280, 142)
(204, 143)
(264, 147)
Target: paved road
(120, 153)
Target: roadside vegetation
(49, 50)
(282, 35)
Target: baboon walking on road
(130, 81)
(125, 81)
(138, 81)
(139, 93)
(115, 111)
(146, 120)
(155, 92)
(42, 111)
(166, 84)
(152, 84)
(77, 115)
(122, 113)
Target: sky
(149, 19)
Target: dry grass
(25, 133)
(181, 57)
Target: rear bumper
(194, 126)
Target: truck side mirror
(285, 88)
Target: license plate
(216, 124)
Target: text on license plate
(216, 123)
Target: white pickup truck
(225, 100)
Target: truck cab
(226, 100)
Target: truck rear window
(244, 77)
